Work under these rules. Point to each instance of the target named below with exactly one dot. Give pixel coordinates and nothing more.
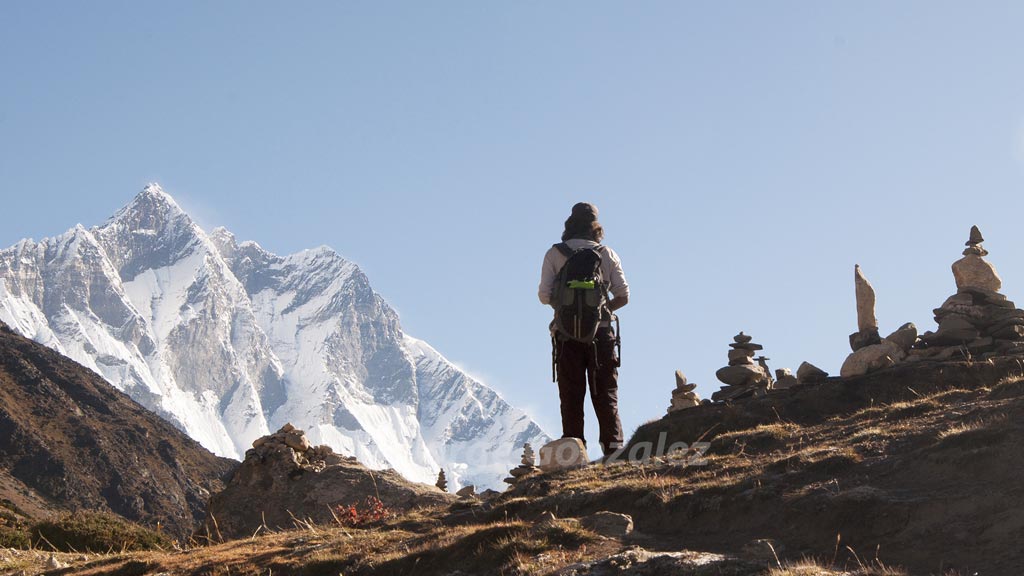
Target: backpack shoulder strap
(564, 249)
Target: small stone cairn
(442, 481)
(527, 466)
(742, 377)
(290, 445)
(683, 396)
(977, 321)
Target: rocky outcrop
(283, 479)
(70, 441)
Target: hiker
(577, 278)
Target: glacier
(229, 342)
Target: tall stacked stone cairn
(742, 377)
(527, 466)
(977, 321)
(683, 396)
(870, 352)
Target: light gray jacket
(611, 269)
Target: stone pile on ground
(527, 466)
(284, 481)
(683, 396)
(870, 352)
(742, 377)
(977, 321)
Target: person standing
(583, 281)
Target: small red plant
(373, 511)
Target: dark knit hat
(584, 211)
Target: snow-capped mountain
(229, 342)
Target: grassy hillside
(911, 471)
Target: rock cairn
(442, 481)
(683, 396)
(977, 321)
(742, 377)
(527, 465)
(870, 352)
(290, 446)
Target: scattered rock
(54, 564)
(611, 524)
(808, 373)
(563, 454)
(468, 491)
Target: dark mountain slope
(69, 440)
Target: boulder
(905, 337)
(468, 491)
(742, 375)
(808, 372)
(871, 359)
(609, 524)
(563, 454)
(973, 271)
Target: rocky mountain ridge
(229, 341)
(69, 441)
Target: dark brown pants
(597, 363)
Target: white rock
(563, 454)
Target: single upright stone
(866, 321)
(973, 271)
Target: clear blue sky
(744, 156)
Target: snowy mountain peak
(229, 341)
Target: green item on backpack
(581, 284)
